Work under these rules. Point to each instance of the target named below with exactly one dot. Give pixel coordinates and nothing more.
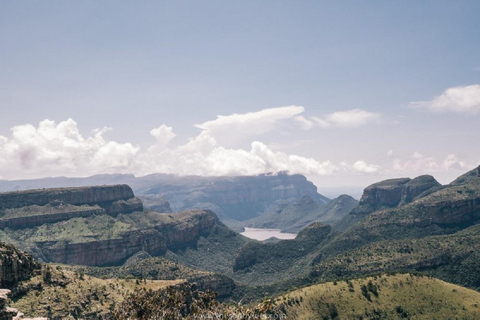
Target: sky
(347, 93)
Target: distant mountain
(394, 192)
(231, 198)
(294, 216)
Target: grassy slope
(399, 296)
(454, 258)
(64, 294)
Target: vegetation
(61, 294)
(383, 297)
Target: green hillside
(401, 296)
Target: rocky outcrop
(470, 176)
(418, 187)
(237, 198)
(103, 252)
(39, 219)
(7, 313)
(99, 195)
(30, 208)
(394, 192)
(152, 233)
(156, 203)
(15, 266)
(231, 198)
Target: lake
(261, 234)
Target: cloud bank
(52, 149)
(347, 119)
(464, 99)
(421, 164)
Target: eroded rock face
(30, 208)
(150, 232)
(417, 187)
(76, 196)
(237, 198)
(94, 225)
(393, 192)
(15, 266)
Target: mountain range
(369, 255)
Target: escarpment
(15, 265)
(76, 196)
(95, 226)
(394, 192)
(32, 208)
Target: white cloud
(304, 122)
(362, 166)
(59, 149)
(464, 99)
(53, 149)
(163, 134)
(239, 126)
(347, 119)
(422, 164)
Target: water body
(261, 234)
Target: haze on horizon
(346, 93)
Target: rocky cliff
(295, 215)
(15, 266)
(25, 209)
(101, 225)
(231, 198)
(77, 196)
(394, 192)
(104, 240)
(234, 198)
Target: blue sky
(134, 66)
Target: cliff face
(150, 232)
(75, 196)
(94, 225)
(234, 198)
(15, 266)
(27, 209)
(231, 198)
(394, 192)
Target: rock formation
(7, 313)
(102, 225)
(15, 266)
(231, 198)
(394, 192)
(21, 209)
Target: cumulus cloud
(163, 134)
(60, 149)
(53, 149)
(420, 163)
(464, 99)
(347, 119)
(362, 166)
(239, 126)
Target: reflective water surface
(263, 234)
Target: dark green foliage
(365, 292)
